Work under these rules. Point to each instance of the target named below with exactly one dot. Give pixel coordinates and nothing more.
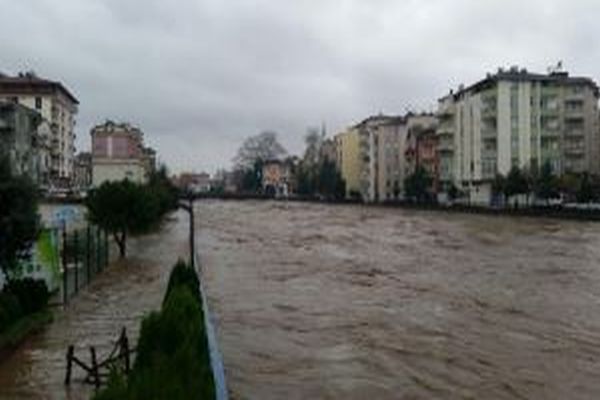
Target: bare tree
(261, 147)
(314, 142)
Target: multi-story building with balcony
(24, 142)
(82, 172)
(422, 148)
(347, 159)
(515, 118)
(58, 107)
(372, 155)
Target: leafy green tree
(340, 189)
(252, 177)
(124, 208)
(586, 192)
(163, 188)
(499, 185)
(546, 184)
(568, 184)
(453, 192)
(330, 181)
(416, 185)
(19, 221)
(516, 183)
(396, 190)
(305, 181)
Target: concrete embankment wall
(579, 214)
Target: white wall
(504, 130)
(118, 171)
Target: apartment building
(377, 162)
(118, 154)
(24, 142)
(517, 118)
(370, 132)
(422, 148)
(57, 105)
(348, 159)
(390, 172)
(82, 171)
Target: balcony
(550, 111)
(550, 133)
(574, 133)
(574, 117)
(489, 133)
(445, 130)
(575, 152)
(575, 96)
(445, 113)
(445, 146)
(489, 111)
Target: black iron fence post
(106, 253)
(97, 249)
(76, 259)
(192, 236)
(64, 263)
(88, 256)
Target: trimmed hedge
(172, 360)
(183, 275)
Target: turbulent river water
(348, 302)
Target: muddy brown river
(349, 302)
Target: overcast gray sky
(198, 76)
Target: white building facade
(517, 119)
(118, 154)
(58, 107)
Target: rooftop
(516, 74)
(112, 127)
(29, 82)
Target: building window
(38, 103)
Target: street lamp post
(190, 209)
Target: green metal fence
(84, 253)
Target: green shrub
(184, 275)
(32, 294)
(10, 310)
(172, 360)
(115, 389)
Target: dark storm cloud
(199, 76)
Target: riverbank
(119, 297)
(172, 357)
(556, 212)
